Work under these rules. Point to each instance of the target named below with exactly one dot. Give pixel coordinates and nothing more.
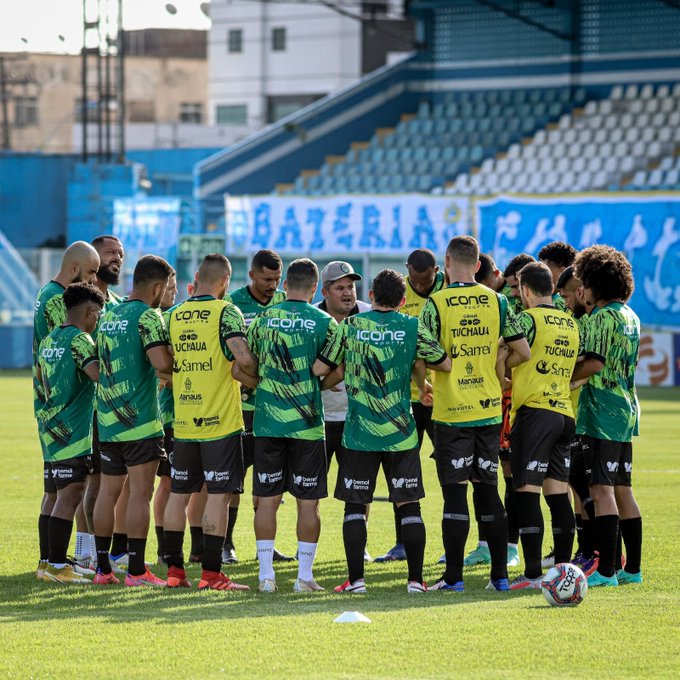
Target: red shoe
(177, 578)
(216, 580)
(145, 579)
(101, 579)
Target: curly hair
(79, 293)
(606, 272)
(559, 253)
(517, 262)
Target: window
(141, 112)
(235, 114)
(25, 111)
(279, 39)
(190, 112)
(235, 40)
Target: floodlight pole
(121, 85)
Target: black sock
(397, 526)
(413, 535)
(354, 538)
(455, 529)
(43, 537)
(119, 544)
(173, 542)
(103, 544)
(562, 526)
(475, 504)
(196, 541)
(60, 535)
(530, 521)
(231, 523)
(510, 501)
(631, 530)
(492, 518)
(159, 540)
(137, 548)
(607, 532)
(578, 521)
(212, 552)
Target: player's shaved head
(80, 262)
(80, 252)
(214, 268)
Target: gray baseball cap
(338, 270)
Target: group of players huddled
(533, 367)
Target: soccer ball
(565, 585)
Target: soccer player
(132, 341)
(608, 410)
(207, 335)
(543, 423)
(79, 263)
(288, 425)
(510, 274)
(488, 273)
(377, 351)
(262, 292)
(468, 319)
(423, 279)
(68, 369)
(557, 256)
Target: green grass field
(49, 631)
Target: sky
(41, 22)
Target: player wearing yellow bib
(542, 420)
(207, 335)
(468, 319)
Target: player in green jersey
(132, 341)
(289, 423)
(377, 351)
(608, 409)
(557, 256)
(68, 369)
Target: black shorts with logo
(423, 416)
(248, 441)
(540, 443)
(288, 464)
(217, 463)
(117, 457)
(358, 475)
(59, 474)
(334, 431)
(165, 464)
(610, 463)
(466, 453)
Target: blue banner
(645, 227)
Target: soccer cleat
(590, 566)
(416, 587)
(442, 559)
(480, 555)
(145, 579)
(624, 577)
(441, 584)
(280, 557)
(302, 586)
(513, 556)
(501, 585)
(597, 580)
(267, 585)
(40, 571)
(396, 553)
(229, 554)
(101, 579)
(548, 560)
(177, 578)
(524, 583)
(367, 557)
(216, 580)
(66, 576)
(356, 588)
(81, 567)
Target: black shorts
(358, 474)
(540, 442)
(423, 416)
(218, 464)
(117, 457)
(59, 474)
(334, 430)
(610, 463)
(248, 441)
(165, 463)
(96, 453)
(287, 464)
(466, 453)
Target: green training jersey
(165, 399)
(40, 332)
(378, 350)
(608, 406)
(250, 307)
(65, 420)
(55, 309)
(127, 396)
(286, 340)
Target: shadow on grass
(25, 599)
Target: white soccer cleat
(416, 587)
(302, 586)
(267, 585)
